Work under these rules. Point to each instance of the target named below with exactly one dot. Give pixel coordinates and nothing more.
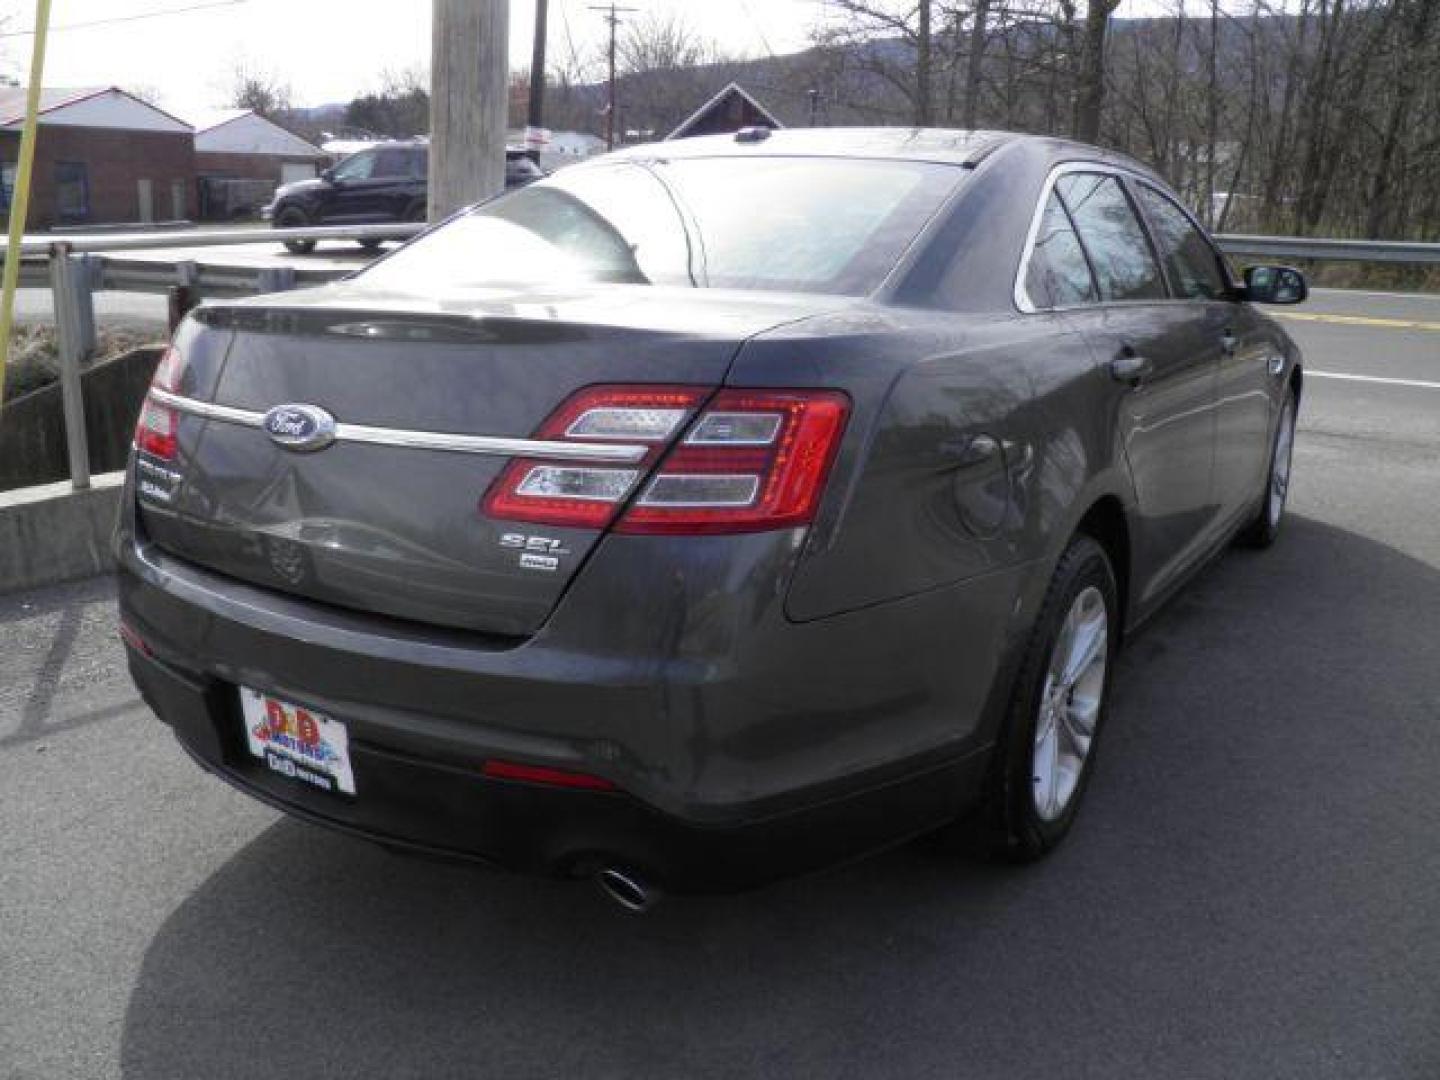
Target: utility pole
(536, 119)
(612, 16)
(469, 102)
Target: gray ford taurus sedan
(711, 511)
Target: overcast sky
(331, 50)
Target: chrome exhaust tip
(632, 893)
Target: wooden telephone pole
(536, 118)
(469, 102)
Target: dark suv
(384, 183)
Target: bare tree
(1090, 84)
(399, 108)
(666, 68)
(260, 90)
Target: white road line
(1371, 379)
(1434, 297)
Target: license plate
(297, 742)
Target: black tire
(371, 246)
(1010, 824)
(292, 217)
(1264, 527)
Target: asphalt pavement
(1253, 889)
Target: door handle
(1129, 367)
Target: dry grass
(34, 360)
(1381, 276)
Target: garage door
(290, 173)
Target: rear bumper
(423, 803)
(744, 746)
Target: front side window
(1125, 267)
(1057, 274)
(359, 166)
(1190, 260)
(797, 224)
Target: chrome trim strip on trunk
(207, 409)
(421, 440)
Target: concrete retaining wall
(32, 431)
(55, 533)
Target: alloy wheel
(1280, 467)
(1070, 703)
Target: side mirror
(1275, 285)
(328, 175)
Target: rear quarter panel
(911, 506)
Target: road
(1253, 890)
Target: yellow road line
(1358, 320)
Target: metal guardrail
(76, 266)
(1302, 247)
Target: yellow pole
(20, 198)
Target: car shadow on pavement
(1224, 872)
(47, 670)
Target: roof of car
(919, 144)
(942, 145)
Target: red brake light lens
(751, 460)
(155, 432)
(755, 460)
(580, 494)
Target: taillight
(583, 495)
(155, 432)
(752, 460)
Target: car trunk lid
(388, 518)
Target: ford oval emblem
(300, 427)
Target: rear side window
(1057, 274)
(1125, 267)
(1189, 259)
(390, 163)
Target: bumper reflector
(541, 774)
(131, 637)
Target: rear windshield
(822, 225)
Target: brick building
(102, 156)
(242, 145)
(241, 158)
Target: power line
(137, 17)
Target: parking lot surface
(1253, 889)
